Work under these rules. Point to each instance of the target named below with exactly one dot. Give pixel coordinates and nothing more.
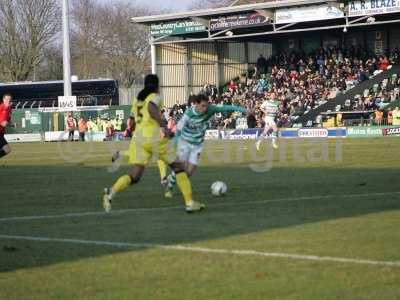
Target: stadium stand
(303, 82)
(347, 101)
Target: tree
(51, 67)
(106, 43)
(85, 30)
(204, 4)
(26, 29)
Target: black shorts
(3, 141)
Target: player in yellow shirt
(150, 140)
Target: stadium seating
(303, 83)
(370, 89)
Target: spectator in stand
(378, 117)
(209, 90)
(109, 131)
(71, 126)
(390, 117)
(396, 117)
(99, 124)
(232, 87)
(92, 127)
(171, 125)
(383, 63)
(251, 120)
(118, 124)
(230, 123)
(130, 128)
(262, 65)
(83, 128)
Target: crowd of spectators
(372, 104)
(380, 95)
(299, 82)
(93, 125)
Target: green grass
(37, 180)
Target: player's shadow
(77, 189)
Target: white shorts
(189, 152)
(269, 121)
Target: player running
(147, 142)
(5, 119)
(190, 133)
(270, 109)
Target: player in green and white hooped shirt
(190, 133)
(270, 109)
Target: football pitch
(298, 223)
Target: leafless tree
(106, 43)
(203, 4)
(51, 67)
(26, 28)
(85, 32)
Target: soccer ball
(219, 188)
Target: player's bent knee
(190, 171)
(177, 167)
(135, 179)
(136, 174)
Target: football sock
(185, 186)
(122, 183)
(3, 153)
(162, 167)
(171, 179)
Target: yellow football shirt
(146, 126)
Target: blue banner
(241, 134)
(254, 133)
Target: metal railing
(366, 122)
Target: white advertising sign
(23, 137)
(313, 133)
(58, 136)
(373, 7)
(67, 103)
(212, 135)
(306, 14)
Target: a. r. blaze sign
(66, 103)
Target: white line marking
(206, 250)
(224, 204)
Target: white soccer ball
(219, 188)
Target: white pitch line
(224, 204)
(207, 250)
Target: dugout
(213, 46)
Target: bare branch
(27, 27)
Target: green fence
(36, 121)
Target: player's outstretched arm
(227, 108)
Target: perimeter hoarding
(373, 7)
(307, 14)
(176, 28)
(238, 21)
(370, 131)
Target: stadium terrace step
(340, 99)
